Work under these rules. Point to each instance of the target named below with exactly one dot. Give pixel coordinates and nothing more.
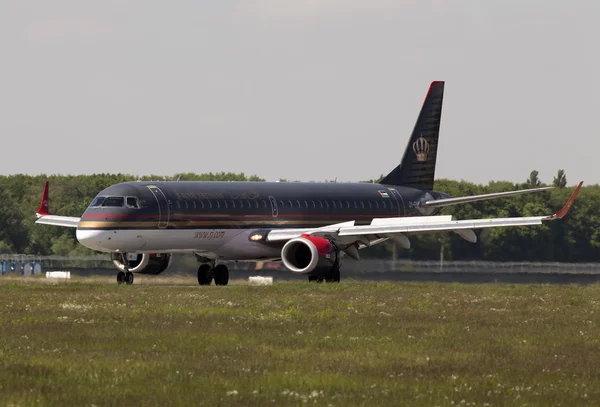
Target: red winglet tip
(565, 209)
(43, 209)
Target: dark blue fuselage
(223, 205)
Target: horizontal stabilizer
(44, 217)
(474, 198)
(65, 221)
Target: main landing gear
(125, 277)
(332, 276)
(208, 272)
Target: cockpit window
(132, 202)
(114, 201)
(98, 201)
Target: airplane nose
(92, 239)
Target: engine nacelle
(143, 263)
(309, 254)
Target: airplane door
(163, 206)
(274, 209)
(399, 201)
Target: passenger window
(178, 205)
(194, 202)
(362, 205)
(114, 202)
(281, 203)
(377, 204)
(333, 202)
(314, 204)
(383, 203)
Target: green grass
(354, 343)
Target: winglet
(565, 209)
(43, 210)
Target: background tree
(533, 180)
(561, 179)
(573, 239)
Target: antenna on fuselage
(178, 178)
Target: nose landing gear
(125, 277)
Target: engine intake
(308, 254)
(144, 263)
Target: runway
(464, 277)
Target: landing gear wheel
(204, 274)
(120, 277)
(221, 273)
(129, 278)
(334, 276)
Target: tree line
(572, 239)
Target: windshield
(114, 201)
(132, 202)
(97, 201)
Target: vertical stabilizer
(417, 168)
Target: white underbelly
(226, 243)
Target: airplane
(308, 226)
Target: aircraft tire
(129, 278)
(120, 277)
(334, 277)
(204, 274)
(221, 273)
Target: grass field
(354, 343)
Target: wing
(44, 217)
(474, 198)
(397, 228)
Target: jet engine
(142, 263)
(309, 255)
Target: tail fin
(417, 168)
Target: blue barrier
(28, 268)
(38, 267)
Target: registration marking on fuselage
(210, 235)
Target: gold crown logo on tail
(421, 148)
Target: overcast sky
(307, 90)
